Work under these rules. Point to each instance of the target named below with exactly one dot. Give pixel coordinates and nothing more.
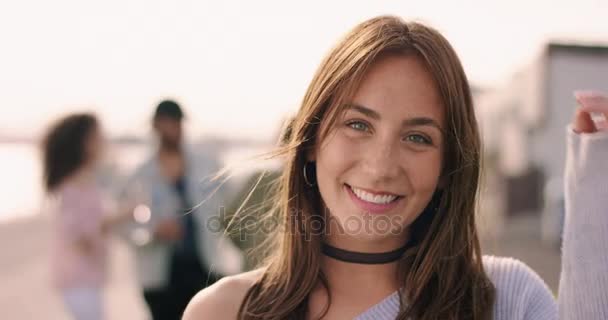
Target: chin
(366, 226)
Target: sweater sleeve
(583, 290)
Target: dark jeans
(187, 277)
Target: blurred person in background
(72, 149)
(179, 248)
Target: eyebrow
(412, 122)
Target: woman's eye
(418, 138)
(358, 125)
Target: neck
(379, 280)
(346, 279)
(360, 242)
(169, 148)
(83, 176)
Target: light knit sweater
(583, 290)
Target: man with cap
(179, 250)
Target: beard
(170, 143)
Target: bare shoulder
(223, 299)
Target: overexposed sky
(237, 67)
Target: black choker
(362, 257)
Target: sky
(237, 67)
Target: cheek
(424, 172)
(335, 156)
(93, 145)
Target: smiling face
(381, 162)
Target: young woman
(71, 150)
(378, 200)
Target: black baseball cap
(169, 108)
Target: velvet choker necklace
(363, 257)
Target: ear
(311, 152)
(311, 155)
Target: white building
(524, 125)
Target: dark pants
(187, 277)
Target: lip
(372, 208)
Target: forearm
(583, 292)
(112, 220)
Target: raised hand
(169, 230)
(589, 103)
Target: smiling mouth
(378, 199)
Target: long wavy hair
(442, 272)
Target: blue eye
(418, 138)
(358, 125)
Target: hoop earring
(306, 175)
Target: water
(20, 174)
(21, 192)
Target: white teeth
(378, 199)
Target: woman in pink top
(71, 150)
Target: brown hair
(64, 147)
(442, 274)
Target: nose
(381, 162)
